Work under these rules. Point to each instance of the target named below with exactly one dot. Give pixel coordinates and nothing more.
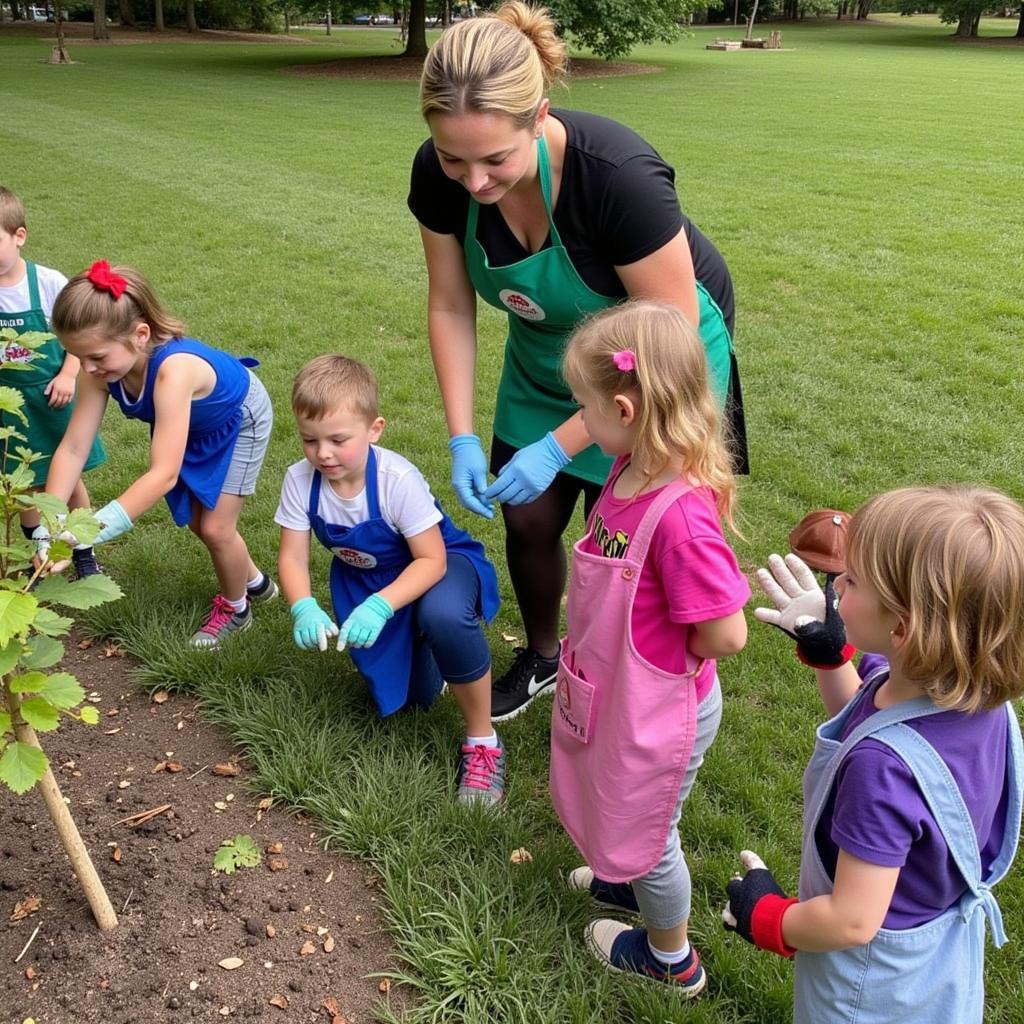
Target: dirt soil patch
(409, 69)
(306, 925)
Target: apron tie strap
(985, 899)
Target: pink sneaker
(222, 621)
(481, 775)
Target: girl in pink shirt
(655, 597)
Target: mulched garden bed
(306, 924)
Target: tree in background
(965, 14)
(99, 20)
(611, 28)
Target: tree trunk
(67, 830)
(963, 28)
(416, 40)
(328, 21)
(287, 22)
(750, 20)
(62, 54)
(190, 16)
(99, 20)
(158, 15)
(126, 13)
(1020, 24)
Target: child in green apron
(27, 294)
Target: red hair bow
(103, 280)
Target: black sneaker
(85, 563)
(529, 675)
(266, 591)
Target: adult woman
(550, 215)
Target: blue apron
(213, 425)
(932, 973)
(399, 668)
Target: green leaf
(42, 652)
(59, 550)
(16, 612)
(89, 714)
(27, 682)
(63, 690)
(240, 852)
(224, 860)
(32, 339)
(5, 722)
(22, 766)
(50, 623)
(40, 714)
(87, 593)
(83, 524)
(11, 401)
(9, 655)
(26, 454)
(49, 504)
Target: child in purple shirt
(912, 797)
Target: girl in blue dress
(209, 419)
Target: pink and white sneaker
(221, 623)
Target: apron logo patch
(521, 305)
(562, 691)
(359, 559)
(17, 354)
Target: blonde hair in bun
(503, 62)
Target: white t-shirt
(15, 299)
(406, 504)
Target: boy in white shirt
(408, 588)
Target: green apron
(546, 299)
(46, 425)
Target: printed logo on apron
(564, 696)
(16, 354)
(359, 559)
(520, 304)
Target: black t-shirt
(617, 204)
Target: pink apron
(622, 730)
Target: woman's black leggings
(535, 552)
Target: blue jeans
(451, 644)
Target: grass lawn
(864, 187)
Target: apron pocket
(574, 703)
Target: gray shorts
(253, 438)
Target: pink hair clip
(625, 360)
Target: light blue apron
(930, 974)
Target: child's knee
(215, 533)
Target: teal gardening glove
(365, 622)
(311, 625)
(113, 521)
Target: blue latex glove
(311, 625)
(469, 473)
(365, 622)
(528, 474)
(113, 520)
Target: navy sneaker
(84, 560)
(614, 895)
(624, 949)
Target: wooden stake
(67, 830)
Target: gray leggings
(664, 893)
